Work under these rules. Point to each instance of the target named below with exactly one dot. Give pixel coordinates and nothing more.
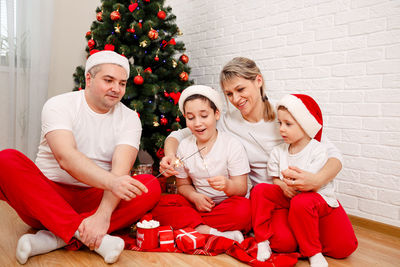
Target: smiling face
(201, 119)
(290, 129)
(245, 95)
(105, 88)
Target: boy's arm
(232, 186)
(186, 189)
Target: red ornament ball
(149, 70)
(156, 58)
(88, 33)
(184, 58)
(91, 43)
(178, 119)
(161, 15)
(138, 80)
(99, 16)
(166, 94)
(115, 15)
(153, 34)
(184, 76)
(163, 121)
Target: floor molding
(375, 226)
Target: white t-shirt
(96, 135)
(226, 157)
(311, 158)
(266, 134)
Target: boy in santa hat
(300, 120)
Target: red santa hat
(306, 112)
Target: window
(7, 13)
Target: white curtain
(24, 72)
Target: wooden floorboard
(375, 249)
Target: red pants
(233, 213)
(316, 226)
(60, 208)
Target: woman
(253, 122)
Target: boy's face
(201, 119)
(106, 88)
(289, 128)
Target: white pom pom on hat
(106, 57)
(306, 112)
(203, 90)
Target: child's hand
(168, 163)
(203, 202)
(218, 182)
(288, 191)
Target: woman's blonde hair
(246, 68)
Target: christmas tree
(144, 31)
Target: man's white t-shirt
(96, 135)
(311, 158)
(227, 157)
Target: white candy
(148, 224)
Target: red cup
(147, 238)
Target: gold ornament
(174, 64)
(117, 28)
(180, 32)
(156, 124)
(143, 43)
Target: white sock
(263, 251)
(110, 247)
(318, 260)
(234, 235)
(42, 242)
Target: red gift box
(166, 237)
(189, 238)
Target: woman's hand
(219, 183)
(289, 192)
(300, 180)
(202, 202)
(167, 164)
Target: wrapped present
(189, 238)
(166, 237)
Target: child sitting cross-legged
(212, 176)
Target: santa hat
(306, 112)
(107, 56)
(203, 90)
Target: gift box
(188, 238)
(166, 237)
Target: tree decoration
(184, 58)
(166, 94)
(138, 80)
(161, 15)
(148, 69)
(177, 119)
(163, 121)
(133, 6)
(143, 43)
(109, 47)
(115, 15)
(175, 96)
(153, 34)
(88, 33)
(117, 28)
(99, 16)
(184, 76)
(91, 43)
(174, 64)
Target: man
(80, 186)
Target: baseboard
(375, 226)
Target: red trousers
(306, 218)
(60, 208)
(234, 213)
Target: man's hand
(126, 187)
(202, 202)
(219, 183)
(92, 230)
(300, 180)
(167, 164)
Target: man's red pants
(306, 218)
(60, 208)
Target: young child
(212, 179)
(300, 122)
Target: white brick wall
(345, 53)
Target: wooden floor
(375, 249)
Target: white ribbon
(189, 235)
